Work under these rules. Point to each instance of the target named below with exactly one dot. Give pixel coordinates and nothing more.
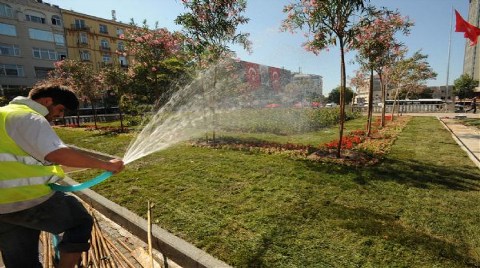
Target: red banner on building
(275, 80)
(252, 74)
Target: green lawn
(472, 122)
(419, 208)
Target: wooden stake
(124, 245)
(127, 261)
(149, 231)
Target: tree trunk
(343, 82)
(395, 103)
(94, 113)
(212, 104)
(205, 102)
(370, 105)
(382, 86)
(121, 119)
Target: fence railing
(82, 119)
(410, 108)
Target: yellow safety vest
(23, 179)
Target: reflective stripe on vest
(27, 160)
(23, 179)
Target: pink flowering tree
(82, 78)
(117, 82)
(210, 27)
(326, 22)
(378, 48)
(410, 74)
(158, 61)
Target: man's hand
(115, 165)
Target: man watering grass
(30, 155)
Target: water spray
(180, 119)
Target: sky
(430, 34)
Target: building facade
(94, 40)
(471, 63)
(361, 94)
(32, 39)
(309, 83)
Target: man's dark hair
(59, 94)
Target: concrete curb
(461, 144)
(172, 247)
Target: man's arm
(72, 158)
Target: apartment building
(94, 40)
(361, 94)
(309, 83)
(31, 40)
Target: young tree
(464, 86)
(359, 81)
(409, 75)
(82, 78)
(210, 27)
(158, 62)
(334, 95)
(327, 22)
(378, 47)
(117, 80)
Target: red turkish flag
(252, 73)
(471, 32)
(275, 77)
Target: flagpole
(448, 60)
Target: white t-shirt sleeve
(33, 134)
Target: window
(121, 46)
(41, 35)
(45, 54)
(56, 20)
(35, 19)
(6, 10)
(104, 44)
(42, 72)
(85, 55)
(11, 70)
(9, 50)
(123, 61)
(83, 38)
(106, 58)
(103, 29)
(80, 24)
(34, 16)
(8, 29)
(59, 39)
(119, 31)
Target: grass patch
(417, 208)
(475, 122)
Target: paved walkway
(467, 137)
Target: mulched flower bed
(357, 149)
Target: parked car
(331, 105)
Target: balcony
(79, 27)
(104, 48)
